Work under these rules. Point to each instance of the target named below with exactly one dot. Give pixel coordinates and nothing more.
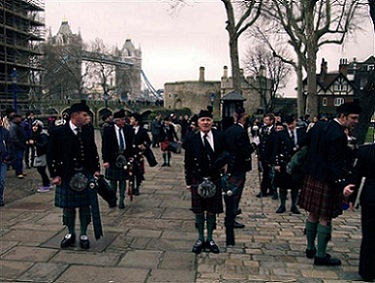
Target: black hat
(119, 114)
(137, 117)
(349, 107)
(289, 119)
(79, 107)
(205, 113)
(279, 124)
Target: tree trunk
(311, 48)
(300, 95)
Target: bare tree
(268, 73)
(240, 16)
(309, 25)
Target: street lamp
(14, 85)
(212, 99)
(106, 99)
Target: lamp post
(212, 99)
(14, 85)
(106, 99)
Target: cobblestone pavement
(151, 239)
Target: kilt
(114, 173)
(213, 205)
(321, 198)
(65, 197)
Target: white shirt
(210, 139)
(118, 136)
(73, 127)
(136, 129)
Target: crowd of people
(215, 164)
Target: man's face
(1, 121)
(205, 124)
(120, 122)
(267, 121)
(292, 126)
(80, 118)
(279, 128)
(350, 121)
(133, 121)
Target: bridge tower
(128, 78)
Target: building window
(338, 101)
(370, 68)
(324, 101)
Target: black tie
(207, 146)
(292, 137)
(122, 143)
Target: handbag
(40, 161)
(175, 147)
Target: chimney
(225, 72)
(201, 74)
(343, 67)
(323, 70)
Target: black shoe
(260, 195)
(112, 203)
(367, 279)
(238, 225)
(2, 203)
(310, 253)
(211, 245)
(164, 164)
(121, 205)
(239, 211)
(84, 242)
(327, 260)
(295, 210)
(68, 241)
(198, 246)
(136, 192)
(281, 209)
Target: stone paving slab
(151, 239)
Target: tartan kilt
(320, 198)
(213, 205)
(114, 173)
(65, 197)
(237, 180)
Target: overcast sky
(175, 43)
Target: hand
(31, 142)
(106, 165)
(278, 168)
(142, 147)
(96, 174)
(188, 188)
(348, 190)
(256, 140)
(225, 168)
(56, 181)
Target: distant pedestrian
(27, 124)
(5, 157)
(18, 142)
(39, 139)
(107, 121)
(167, 135)
(155, 130)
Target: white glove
(256, 140)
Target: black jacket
(110, 147)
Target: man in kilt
(201, 150)
(237, 143)
(116, 150)
(73, 162)
(325, 179)
(141, 140)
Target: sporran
(78, 182)
(206, 189)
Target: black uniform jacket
(110, 145)
(284, 146)
(64, 153)
(237, 143)
(196, 166)
(267, 140)
(327, 156)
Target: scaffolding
(22, 31)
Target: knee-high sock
(324, 235)
(294, 197)
(211, 225)
(69, 219)
(114, 186)
(122, 188)
(165, 158)
(85, 219)
(283, 194)
(311, 230)
(169, 157)
(199, 224)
